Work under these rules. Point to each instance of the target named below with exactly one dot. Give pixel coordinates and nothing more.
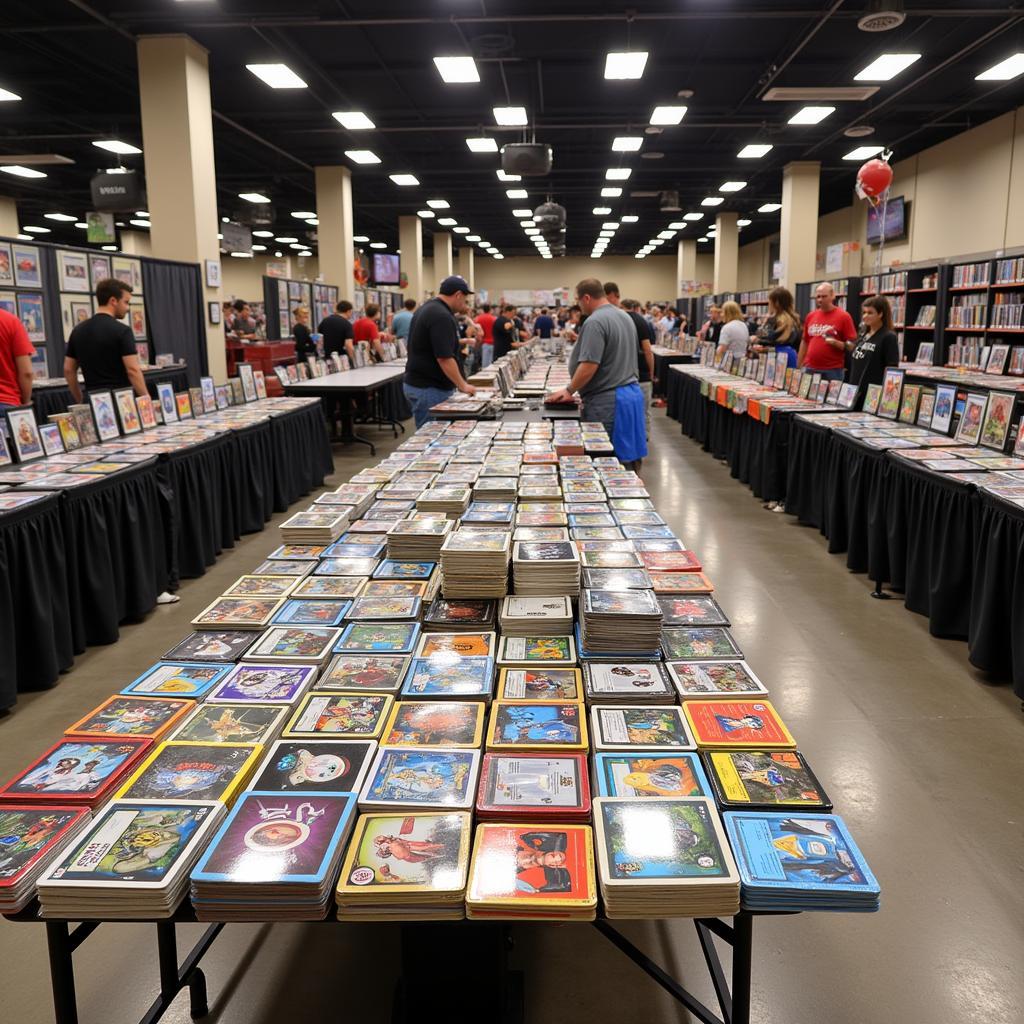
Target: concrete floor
(922, 757)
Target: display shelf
(920, 291)
(970, 288)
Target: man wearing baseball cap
(432, 371)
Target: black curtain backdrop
(271, 308)
(54, 344)
(173, 294)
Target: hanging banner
(100, 229)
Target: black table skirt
(35, 626)
(856, 498)
(115, 537)
(253, 466)
(694, 410)
(932, 523)
(674, 395)
(49, 400)
(302, 454)
(805, 472)
(392, 403)
(996, 629)
(662, 372)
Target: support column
(136, 243)
(467, 264)
(686, 266)
(9, 226)
(410, 241)
(727, 253)
(181, 185)
(443, 265)
(799, 231)
(334, 232)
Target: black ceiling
(74, 65)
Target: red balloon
(874, 178)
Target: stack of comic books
(474, 563)
(534, 787)
(31, 837)
(408, 867)
(664, 857)
(544, 569)
(530, 616)
(459, 615)
(132, 862)
(418, 540)
(275, 858)
(619, 682)
(613, 619)
(314, 527)
(799, 862)
(445, 499)
(495, 488)
(532, 871)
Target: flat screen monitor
(386, 268)
(895, 226)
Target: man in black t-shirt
(432, 370)
(337, 332)
(506, 332)
(104, 347)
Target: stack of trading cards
(421, 778)
(275, 858)
(121, 715)
(532, 871)
(691, 609)
(543, 568)
(764, 780)
(664, 857)
(314, 527)
(649, 774)
(793, 862)
(374, 673)
(695, 680)
(639, 727)
(474, 563)
(489, 515)
(530, 616)
(539, 726)
(447, 723)
(447, 673)
(340, 715)
(408, 867)
(132, 862)
(231, 723)
(737, 725)
(609, 616)
(32, 835)
(540, 683)
(418, 540)
(616, 579)
(445, 499)
(459, 615)
(635, 682)
(495, 488)
(537, 651)
(534, 787)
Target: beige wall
(243, 279)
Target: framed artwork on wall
(102, 403)
(26, 266)
(73, 271)
(213, 278)
(24, 434)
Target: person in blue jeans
(432, 372)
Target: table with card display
(401, 757)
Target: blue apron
(629, 432)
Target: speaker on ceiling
(530, 159)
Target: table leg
(742, 961)
(62, 972)
(349, 435)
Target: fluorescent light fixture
(425, 214)
(606, 234)
(503, 176)
(523, 214)
(743, 223)
(81, 224)
(438, 204)
(497, 255)
(33, 229)
(611, 192)
(355, 238)
(223, 220)
(527, 223)
(116, 146)
(6, 96)
(286, 239)
(769, 207)
(455, 70)
(601, 211)
(693, 216)
(517, 193)
(353, 120)
(703, 239)
(263, 234)
(511, 117)
(297, 245)
(461, 231)
(630, 218)
(142, 213)
(712, 201)
(610, 225)
(618, 173)
(109, 248)
(482, 145)
(378, 245)
(405, 180)
(484, 244)
(622, 66)
(140, 223)
(259, 248)
(811, 115)
(889, 65)
(253, 197)
(677, 225)
(242, 255)
(755, 150)
(732, 186)
(472, 238)
(532, 231)
(277, 76)
(667, 234)
(627, 143)
(863, 152)
(314, 221)
(305, 253)
(362, 156)
(59, 216)
(667, 115)
(303, 214)
(447, 222)
(1004, 70)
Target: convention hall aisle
(921, 756)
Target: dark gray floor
(921, 757)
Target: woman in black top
(781, 331)
(877, 347)
(304, 344)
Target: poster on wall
(74, 309)
(6, 266)
(73, 271)
(99, 269)
(26, 266)
(277, 268)
(129, 271)
(213, 278)
(30, 312)
(834, 259)
(137, 315)
(9, 303)
(99, 228)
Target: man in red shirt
(16, 353)
(485, 321)
(828, 333)
(366, 329)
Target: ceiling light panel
(712, 201)
(611, 192)
(618, 173)
(1004, 70)
(517, 193)
(863, 152)
(353, 120)
(627, 143)
(888, 66)
(669, 115)
(755, 150)
(253, 197)
(116, 146)
(811, 115)
(362, 156)
(482, 145)
(732, 186)
(505, 176)
(456, 70)
(622, 66)
(510, 117)
(769, 208)
(405, 180)
(277, 76)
